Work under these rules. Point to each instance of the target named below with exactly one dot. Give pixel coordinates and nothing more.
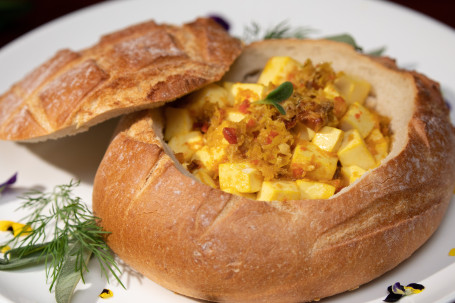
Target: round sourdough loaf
(208, 244)
(135, 68)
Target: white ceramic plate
(417, 41)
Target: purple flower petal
(8, 183)
(221, 21)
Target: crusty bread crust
(204, 243)
(136, 68)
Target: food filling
(302, 131)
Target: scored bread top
(142, 66)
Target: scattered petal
(397, 291)
(106, 293)
(452, 252)
(8, 183)
(17, 229)
(221, 21)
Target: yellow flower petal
(15, 228)
(452, 252)
(6, 225)
(106, 293)
(22, 229)
(4, 249)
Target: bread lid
(142, 66)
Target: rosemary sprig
(63, 235)
(275, 97)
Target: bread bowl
(208, 244)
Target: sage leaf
(34, 258)
(282, 92)
(69, 276)
(345, 38)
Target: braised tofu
(351, 173)
(360, 118)
(240, 177)
(279, 191)
(352, 89)
(377, 144)
(210, 157)
(328, 138)
(212, 94)
(203, 175)
(186, 144)
(354, 151)
(247, 91)
(278, 70)
(315, 190)
(316, 163)
(304, 133)
(234, 116)
(178, 122)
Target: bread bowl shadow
(207, 244)
(79, 154)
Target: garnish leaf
(68, 278)
(254, 32)
(75, 234)
(275, 97)
(345, 38)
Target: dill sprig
(254, 32)
(63, 230)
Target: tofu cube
(377, 144)
(331, 92)
(240, 177)
(328, 138)
(210, 157)
(351, 173)
(186, 144)
(278, 70)
(247, 91)
(358, 117)
(352, 89)
(235, 116)
(315, 162)
(354, 151)
(279, 191)
(211, 94)
(203, 176)
(315, 190)
(178, 121)
(304, 133)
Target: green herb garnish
(275, 97)
(67, 246)
(282, 30)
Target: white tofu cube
(186, 144)
(328, 138)
(178, 121)
(351, 173)
(315, 190)
(353, 151)
(278, 70)
(240, 177)
(316, 164)
(352, 89)
(358, 117)
(279, 191)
